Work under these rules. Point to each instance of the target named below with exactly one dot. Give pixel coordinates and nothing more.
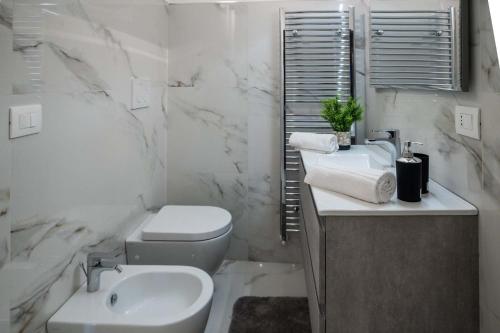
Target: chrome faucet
(97, 263)
(391, 140)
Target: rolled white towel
(376, 186)
(325, 143)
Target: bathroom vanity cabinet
(372, 270)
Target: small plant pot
(344, 140)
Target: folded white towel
(325, 143)
(370, 185)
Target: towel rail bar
(373, 61)
(301, 24)
(413, 24)
(340, 28)
(292, 18)
(411, 30)
(316, 83)
(318, 95)
(393, 17)
(431, 35)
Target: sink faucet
(97, 263)
(391, 140)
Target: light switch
(36, 119)
(141, 93)
(468, 121)
(25, 120)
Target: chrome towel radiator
(425, 49)
(316, 63)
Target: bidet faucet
(97, 263)
(392, 139)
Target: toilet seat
(187, 223)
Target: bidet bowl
(142, 299)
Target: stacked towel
(376, 186)
(325, 143)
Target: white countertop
(439, 200)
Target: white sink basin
(349, 161)
(149, 299)
(357, 157)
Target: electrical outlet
(468, 121)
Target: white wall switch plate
(141, 93)
(468, 121)
(25, 120)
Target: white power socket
(468, 121)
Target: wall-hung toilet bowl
(195, 236)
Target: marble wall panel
(97, 166)
(224, 116)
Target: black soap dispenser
(409, 175)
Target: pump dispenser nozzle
(407, 152)
(409, 174)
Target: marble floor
(243, 278)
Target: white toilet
(182, 235)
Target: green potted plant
(341, 116)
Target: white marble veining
(97, 167)
(236, 279)
(5, 181)
(224, 112)
(439, 201)
(466, 166)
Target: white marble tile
(208, 44)
(208, 110)
(224, 117)
(489, 206)
(89, 176)
(490, 71)
(429, 118)
(264, 92)
(74, 48)
(236, 279)
(116, 15)
(78, 169)
(208, 130)
(5, 172)
(6, 51)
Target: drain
(113, 299)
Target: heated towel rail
(317, 62)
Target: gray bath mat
(270, 315)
